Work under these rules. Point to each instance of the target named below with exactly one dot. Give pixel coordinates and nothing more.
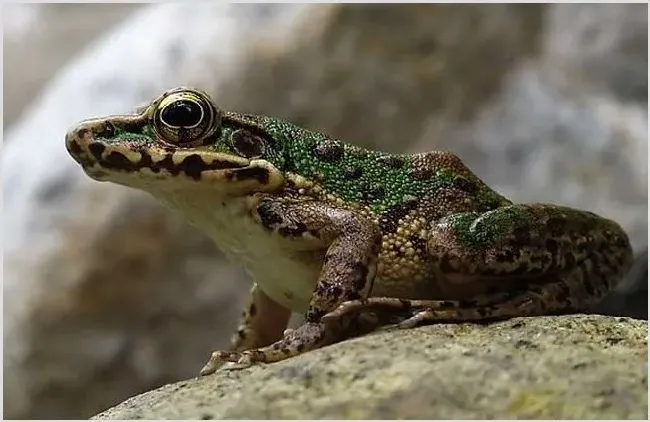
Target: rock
(565, 367)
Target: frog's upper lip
(99, 155)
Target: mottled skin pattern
(355, 239)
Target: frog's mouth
(135, 160)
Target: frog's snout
(79, 139)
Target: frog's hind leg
(560, 259)
(547, 298)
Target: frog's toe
(218, 359)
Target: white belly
(286, 270)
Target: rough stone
(565, 367)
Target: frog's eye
(185, 118)
(247, 144)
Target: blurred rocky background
(106, 294)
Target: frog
(355, 240)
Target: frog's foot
(226, 360)
(306, 337)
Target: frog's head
(181, 140)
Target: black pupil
(182, 113)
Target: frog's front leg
(263, 322)
(352, 244)
(554, 259)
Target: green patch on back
(357, 175)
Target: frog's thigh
(262, 322)
(565, 259)
(528, 240)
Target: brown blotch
(329, 151)
(352, 172)
(75, 148)
(391, 161)
(97, 149)
(465, 184)
(420, 246)
(256, 173)
(81, 133)
(118, 161)
(421, 174)
(372, 193)
(389, 220)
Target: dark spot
(182, 114)
(389, 219)
(257, 173)
(420, 246)
(525, 344)
(522, 234)
(268, 216)
(372, 193)
(391, 161)
(465, 184)
(106, 132)
(247, 144)
(552, 246)
(118, 161)
(295, 231)
(352, 172)
(241, 334)
(329, 151)
(421, 173)
(96, 149)
(193, 165)
(555, 226)
(81, 133)
(471, 304)
(361, 271)
(74, 148)
(206, 416)
(300, 347)
(252, 310)
(314, 315)
(504, 256)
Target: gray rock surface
(107, 294)
(568, 367)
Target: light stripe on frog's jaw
(134, 161)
